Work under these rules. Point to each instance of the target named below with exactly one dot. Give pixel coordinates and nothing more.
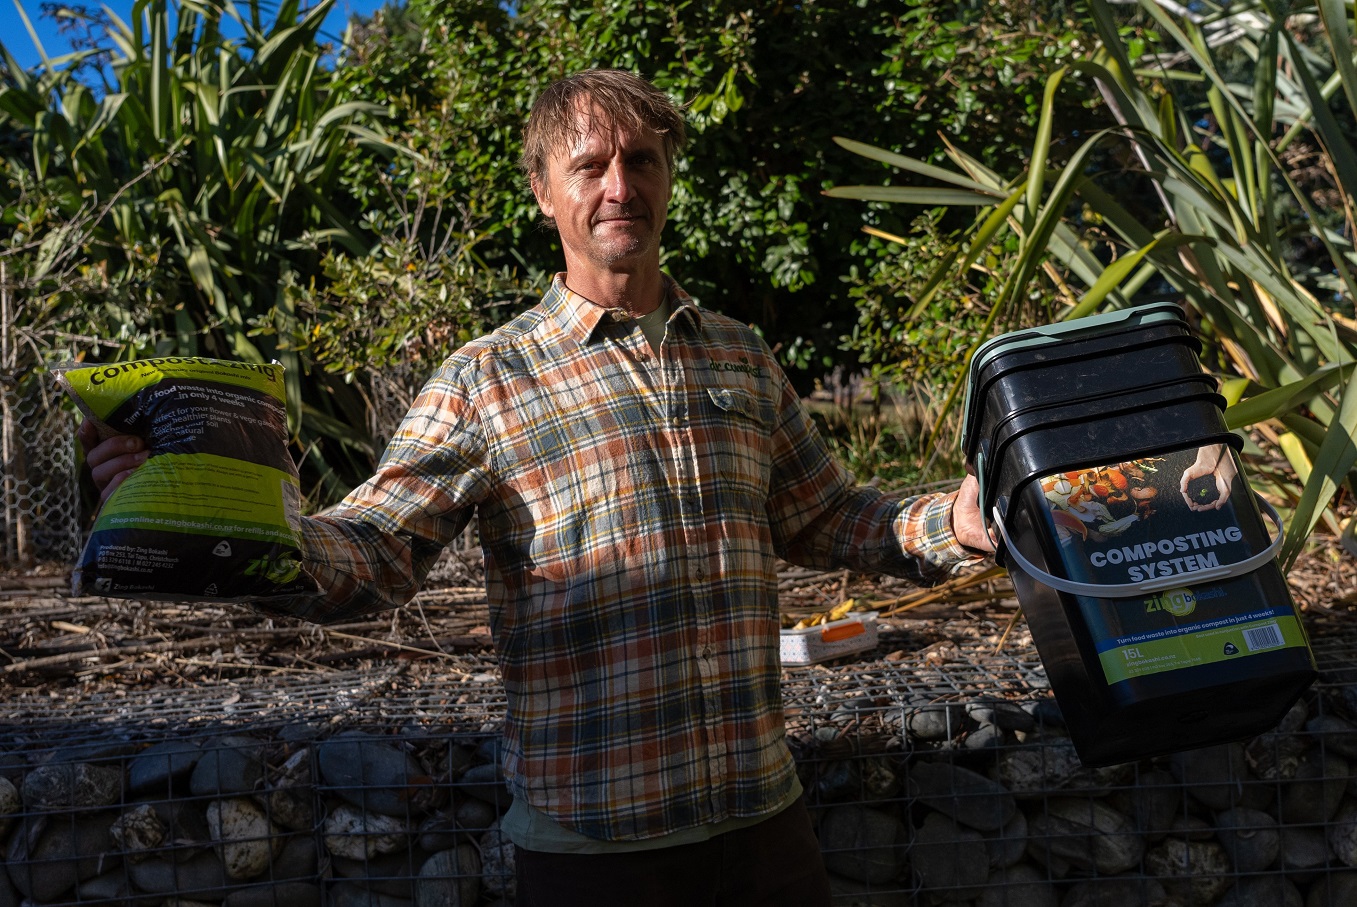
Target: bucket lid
(1112, 365)
(1063, 412)
(1061, 332)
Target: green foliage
(767, 85)
(1224, 216)
(187, 204)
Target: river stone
(1250, 838)
(1005, 715)
(185, 821)
(497, 864)
(1124, 891)
(1153, 802)
(1197, 872)
(245, 839)
(1275, 757)
(1302, 848)
(10, 803)
(1214, 775)
(1342, 834)
(1316, 791)
(879, 779)
(139, 831)
(1086, 834)
(1039, 769)
(474, 814)
(1008, 845)
(484, 783)
(1046, 713)
(161, 766)
(936, 721)
(1192, 828)
(863, 843)
(966, 796)
(276, 894)
(1337, 889)
(354, 835)
(986, 737)
(372, 774)
(450, 878)
(48, 855)
(228, 765)
(114, 886)
(386, 873)
(948, 857)
(72, 785)
(438, 832)
(202, 873)
(298, 859)
(1018, 886)
(291, 798)
(1334, 735)
(1262, 891)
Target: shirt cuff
(940, 546)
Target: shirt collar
(580, 317)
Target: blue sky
(16, 40)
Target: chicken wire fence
(937, 782)
(38, 474)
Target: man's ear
(543, 196)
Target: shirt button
(706, 651)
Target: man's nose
(617, 183)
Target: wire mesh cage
(934, 777)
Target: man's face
(608, 193)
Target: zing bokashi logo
(1178, 602)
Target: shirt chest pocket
(741, 426)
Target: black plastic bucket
(1140, 556)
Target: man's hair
(622, 98)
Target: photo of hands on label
(1206, 482)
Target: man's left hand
(967, 525)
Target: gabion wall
(382, 790)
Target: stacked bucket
(1140, 557)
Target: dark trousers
(775, 863)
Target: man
(636, 466)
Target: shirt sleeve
(373, 550)
(820, 518)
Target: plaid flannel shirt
(632, 509)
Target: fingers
(967, 524)
(112, 460)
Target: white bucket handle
(1137, 590)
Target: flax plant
(212, 154)
(1221, 222)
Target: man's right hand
(112, 459)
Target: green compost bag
(213, 513)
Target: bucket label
(1184, 514)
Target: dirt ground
(57, 650)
